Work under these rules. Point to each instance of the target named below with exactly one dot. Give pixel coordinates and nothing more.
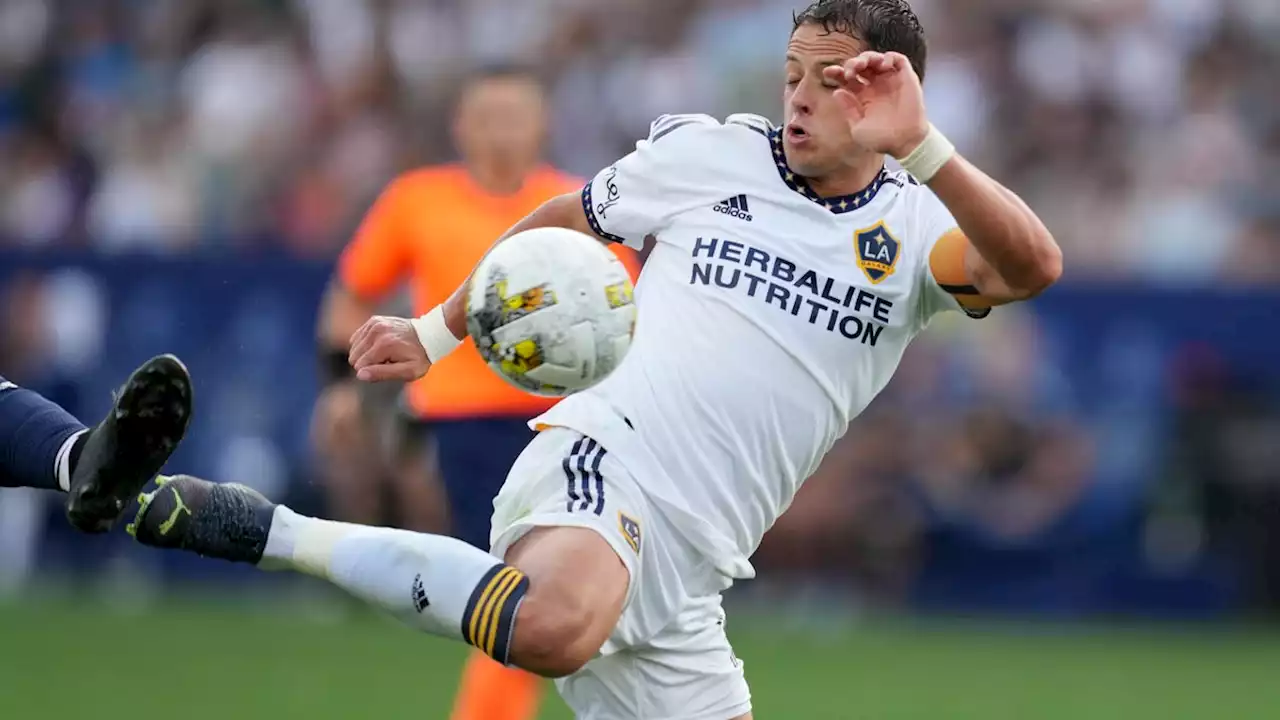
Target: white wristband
(928, 158)
(434, 334)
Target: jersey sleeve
(668, 173)
(377, 258)
(941, 268)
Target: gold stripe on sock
(509, 576)
(503, 595)
(472, 635)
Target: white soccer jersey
(768, 318)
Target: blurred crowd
(1100, 452)
(1141, 129)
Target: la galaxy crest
(630, 531)
(878, 252)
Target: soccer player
(101, 468)
(791, 270)
(432, 225)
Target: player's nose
(801, 101)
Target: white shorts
(668, 658)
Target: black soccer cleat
(129, 447)
(228, 522)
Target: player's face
(501, 121)
(815, 134)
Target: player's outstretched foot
(229, 522)
(125, 451)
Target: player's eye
(792, 81)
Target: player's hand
(883, 102)
(387, 348)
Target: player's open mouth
(796, 134)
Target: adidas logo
(420, 600)
(735, 207)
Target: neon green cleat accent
(178, 508)
(228, 521)
(144, 502)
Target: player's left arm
(1000, 251)
(997, 250)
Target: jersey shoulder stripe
(757, 123)
(667, 124)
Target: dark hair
(884, 25)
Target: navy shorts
(474, 457)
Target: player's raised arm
(999, 251)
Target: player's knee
(556, 633)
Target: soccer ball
(551, 311)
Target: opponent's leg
(38, 440)
(101, 468)
(548, 609)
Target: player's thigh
(569, 516)
(474, 457)
(578, 588)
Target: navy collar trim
(838, 204)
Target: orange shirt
(433, 226)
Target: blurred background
(1069, 510)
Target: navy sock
(32, 430)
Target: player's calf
(548, 610)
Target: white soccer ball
(551, 311)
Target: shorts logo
(630, 530)
(878, 252)
(420, 600)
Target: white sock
(430, 582)
(62, 462)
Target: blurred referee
(431, 226)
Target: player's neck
(849, 180)
(496, 180)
